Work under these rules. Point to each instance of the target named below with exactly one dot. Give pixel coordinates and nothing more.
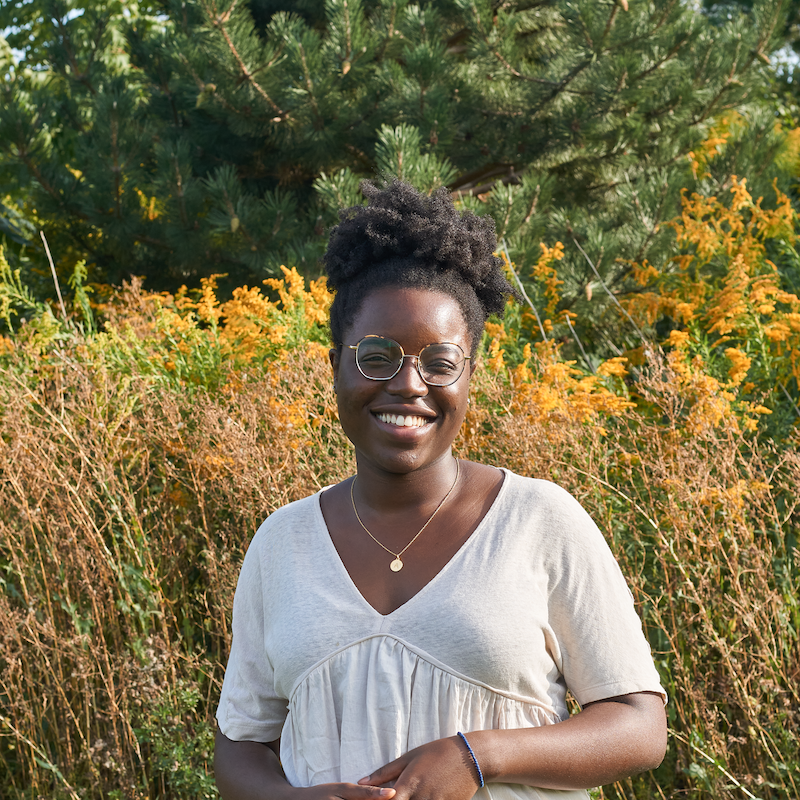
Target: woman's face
(414, 318)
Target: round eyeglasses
(380, 359)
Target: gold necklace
(397, 563)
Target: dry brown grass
(135, 467)
(126, 509)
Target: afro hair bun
(402, 230)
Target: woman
(411, 632)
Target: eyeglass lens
(381, 359)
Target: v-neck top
(532, 603)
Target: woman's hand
(252, 771)
(608, 740)
(439, 770)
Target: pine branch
(179, 185)
(477, 181)
(116, 169)
(586, 34)
(237, 226)
(709, 109)
(603, 283)
(360, 155)
(658, 64)
(310, 88)
(159, 245)
(532, 209)
(610, 24)
(658, 216)
(77, 73)
(28, 161)
(765, 39)
(576, 70)
(496, 53)
(348, 40)
(628, 44)
(218, 21)
(512, 177)
(201, 85)
(389, 35)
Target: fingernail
(386, 792)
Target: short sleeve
(602, 649)
(250, 708)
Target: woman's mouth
(403, 421)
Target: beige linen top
(532, 603)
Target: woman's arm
(252, 771)
(606, 741)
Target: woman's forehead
(416, 315)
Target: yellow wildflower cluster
(289, 289)
(735, 497)
(249, 322)
(644, 273)
(740, 364)
(723, 286)
(495, 330)
(547, 387)
(546, 272)
(713, 145)
(494, 357)
(709, 403)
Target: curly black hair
(406, 238)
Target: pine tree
(181, 139)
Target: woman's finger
(348, 791)
(385, 774)
(352, 791)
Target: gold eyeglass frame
(404, 356)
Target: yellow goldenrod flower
(740, 364)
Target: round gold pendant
(396, 565)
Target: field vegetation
(144, 436)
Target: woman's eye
(375, 358)
(441, 367)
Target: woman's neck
(391, 493)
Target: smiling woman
(414, 318)
(413, 630)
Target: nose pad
(408, 380)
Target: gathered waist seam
(423, 656)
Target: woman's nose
(408, 381)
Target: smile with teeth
(401, 421)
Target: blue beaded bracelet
(474, 760)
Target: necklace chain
(397, 564)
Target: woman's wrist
(474, 758)
(485, 751)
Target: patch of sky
(19, 55)
(787, 62)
